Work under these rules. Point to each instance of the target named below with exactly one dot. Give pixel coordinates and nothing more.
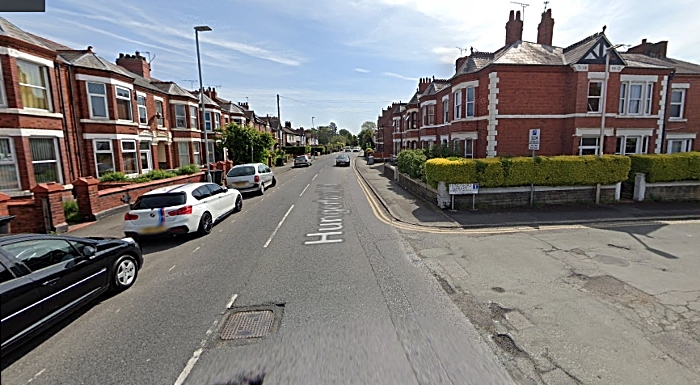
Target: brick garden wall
(679, 191)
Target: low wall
(27, 217)
(673, 191)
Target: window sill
(144, 126)
(106, 121)
(163, 128)
(637, 116)
(679, 120)
(31, 111)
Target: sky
(337, 61)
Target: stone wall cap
(4, 197)
(86, 181)
(47, 187)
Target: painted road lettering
(331, 210)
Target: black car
(43, 278)
(342, 160)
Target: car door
(266, 174)
(206, 203)
(20, 308)
(65, 276)
(218, 199)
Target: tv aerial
(522, 5)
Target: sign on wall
(464, 188)
(534, 139)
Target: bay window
(143, 114)
(445, 111)
(431, 114)
(45, 160)
(180, 116)
(195, 153)
(97, 97)
(217, 120)
(34, 85)
(129, 157)
(183, 153)
(194, 117)
(458, 104)
(207, 121)
(104, 157)
(414, 119)
(3, 95)
(424, 115)
(9, 176)
(470, 101)
(124, 111)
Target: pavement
(405, 207)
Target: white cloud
(362, 70)
(394, 75)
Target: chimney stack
(423, 84)
(657, 50)
(514, 28)
(545, 29)
(136, 64)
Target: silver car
(250, 177)
(302, 160)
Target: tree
(368, 126)
(324, 135)
(239, 141)
(344, 132)
(366, 138)
(333, 128)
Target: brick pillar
(4, 198)
(228, 166)
(51, 194)
(86, 194)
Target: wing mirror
(89, 251)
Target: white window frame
(217, 120)
(207, 120)
(446, 111)
(128, 99)
(686, 145)
(645, 98)
(196, 153)
(642, 146)
(581, 147)
(149, 156)
(211, 152)
(101, 96)
(470, 102)
(12, 162)
(194, 118)
(599, 97)
(431, 114)
(96, 151)
(135, 151)
(143, 107)
(46, 87)
(470, 153)
(179, 153)
(681, 104)
(57, 161)
(458, 104)
(3, 94)
(182, 117)
(424, 116)
(160, 122)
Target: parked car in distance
(342, 160)
(356, 149)
(302, 160)
(181, 209)
(348, 149)
(251, 177)
(44, 278)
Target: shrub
(114, 177)
(187, 170)
(440, 151)
(153, 175)
(543, 171)
(412, 162)
(666, 167)
(70, 209)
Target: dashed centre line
(277, 228)
(302, 192)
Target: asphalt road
(352, 304)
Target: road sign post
(534, 145)
(464, 189)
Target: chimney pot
(644, 41)
(514, 28)
(545, 29)
(89, 48)
(121, 55)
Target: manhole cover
(247, 324)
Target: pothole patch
(498, 289)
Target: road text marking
(277, 228)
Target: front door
(146, 157)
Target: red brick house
(493, 99)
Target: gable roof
(639, 60)
(173, 89)
(436, 86)
(88, 59)
(10, 30)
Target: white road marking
(262, 199)
(312, 179)
(230, 303)
(188, 368)
(233, 221)
(302, 192)
(195, 249)
(118, 310)
(36, 375)
(172, 268)
(277, 228)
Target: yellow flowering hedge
(666, 167)
(542, 171)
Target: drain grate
(247, 324)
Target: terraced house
(67, 113)
(486, 109)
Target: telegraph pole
(279, 118)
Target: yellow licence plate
(238, 184)
(153, 230)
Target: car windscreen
(156, 201)
(242, 171)
(301, 158)
(342, 157)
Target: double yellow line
(381, 214)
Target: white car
(181, 209)
(250, 177)
(302, 160)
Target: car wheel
(205, 224)
(262, 188)
(239, 204)
(124, 273)
(274, 182)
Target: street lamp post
(197, 30)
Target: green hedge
(666, 167)
(187, 170)
(542, 171)
(412, 162)
(114, 177)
